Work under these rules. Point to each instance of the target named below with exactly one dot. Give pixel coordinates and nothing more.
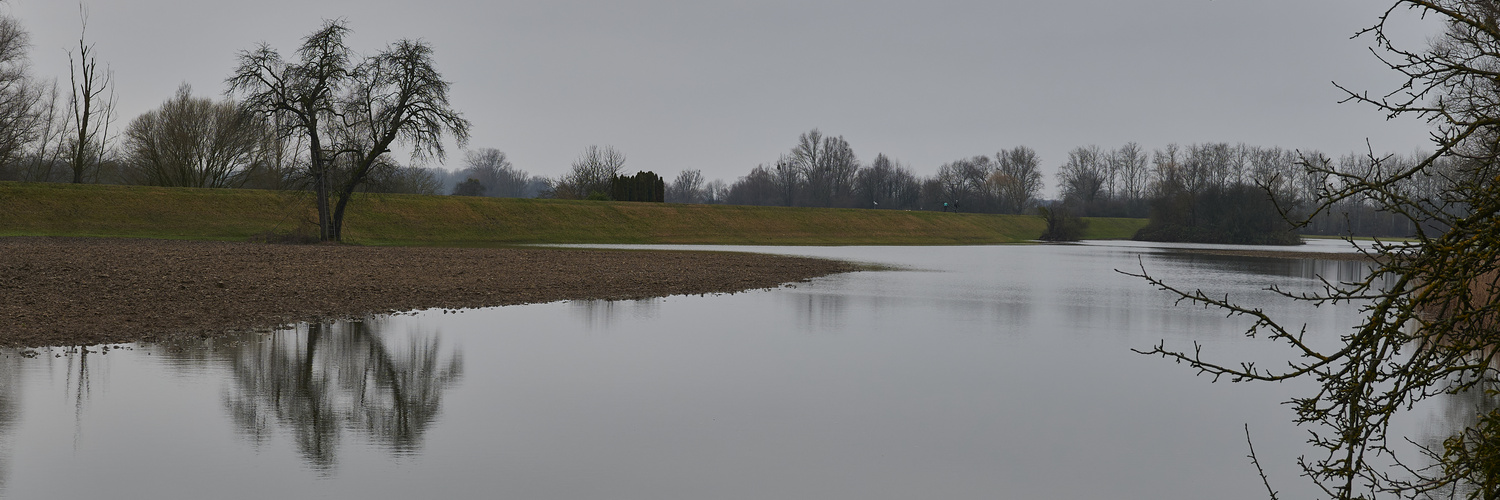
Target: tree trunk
(319, 170)
(357, 177)
(320, 186)
(338, 217)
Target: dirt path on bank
(83, 291)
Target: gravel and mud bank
(82, 291)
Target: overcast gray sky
(722, 86)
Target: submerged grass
(30, 209)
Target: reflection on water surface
(317, 382)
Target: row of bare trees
(326, 119)
(1213, 184)
(1230, 187)
(326, 122)
(1191, 185)
(488, 172)
(50, 135)
(824, 171)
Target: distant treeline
(1211, 192)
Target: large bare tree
(350, 114)
(301, 96)
(396, 95)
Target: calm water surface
(974, 372)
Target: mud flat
(85, 291)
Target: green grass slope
(28, 209)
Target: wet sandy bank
(83, 291)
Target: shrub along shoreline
(41, 209)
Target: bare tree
(887, 184)
(1084, 175)
(494, 172)
(759, 187)
(786, 178)
(20, 98)
(282, 162)
(395, 95)
(351, 116)
(1207, 166)
(194, 142)
(300, 97)
(591, 174)
(837, 174)
(1017, 179)
(793, 169)
(92, 106)
(964, 184)
(1275, 170)
(34, 140)
(826, 165)
(45, 158)
(1131, 163)
(687, 187)
(715, 191)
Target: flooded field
(970, 372)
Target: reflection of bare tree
(79, 386)
(10, 408)
(600, 314)
(1332, 270)
(321, 380)
(824, 310)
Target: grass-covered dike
(31, 209)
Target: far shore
(1278, 254)
(87, 291)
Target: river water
(966, 372)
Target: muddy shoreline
(86, 291)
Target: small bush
(1062, 224)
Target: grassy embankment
(238, 214)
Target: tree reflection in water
(318, 381)
(10, 408)
(600, 314)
